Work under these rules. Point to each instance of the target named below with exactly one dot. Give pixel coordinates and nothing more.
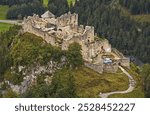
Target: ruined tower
(67, 19)
(89, 33)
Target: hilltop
(125, 25)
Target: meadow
(4, 27)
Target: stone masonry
(64, 30)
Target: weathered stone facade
(64, 30)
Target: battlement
(67, 19)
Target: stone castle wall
(125, 62)
(97, 67)
(67, 19)
(100, 68)
(110, 68)
(48, 38)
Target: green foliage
(141, 18)
(89, 83)
(57, 54)
(145, 72)
(135, 68)
(10, 94)
(29, 49)
(5, 44)
(1, 95)
(40, 79)
(38, 91)
(45, 2)
(4, 27)
(58, 7)
(4, 86)
(20, 8)
(136, 6)
(20, 11)
(71, 2)
(62, 87)
(74, 55)
(81, 82)
(18, 2)
(64, 84)
(138, 92)
(3, 12)
(14, 78)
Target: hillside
(30, 52)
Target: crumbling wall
(89, 32)
(67, 19)
(96, 67)
(125, 62)
(110, 68)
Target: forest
(136, 6)
(73, 80)
(22, 8)
(107, 16)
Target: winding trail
(132, 83)
(11, 22)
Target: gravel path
(132, 83)
(11, 22)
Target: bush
(74, 55)
(14, 78)
(10, 94)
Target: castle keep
(64, 30)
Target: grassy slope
(3, 12)
(141, 18)
(90, 84)
(45, 2)
(4, 26)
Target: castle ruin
(64, 30)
